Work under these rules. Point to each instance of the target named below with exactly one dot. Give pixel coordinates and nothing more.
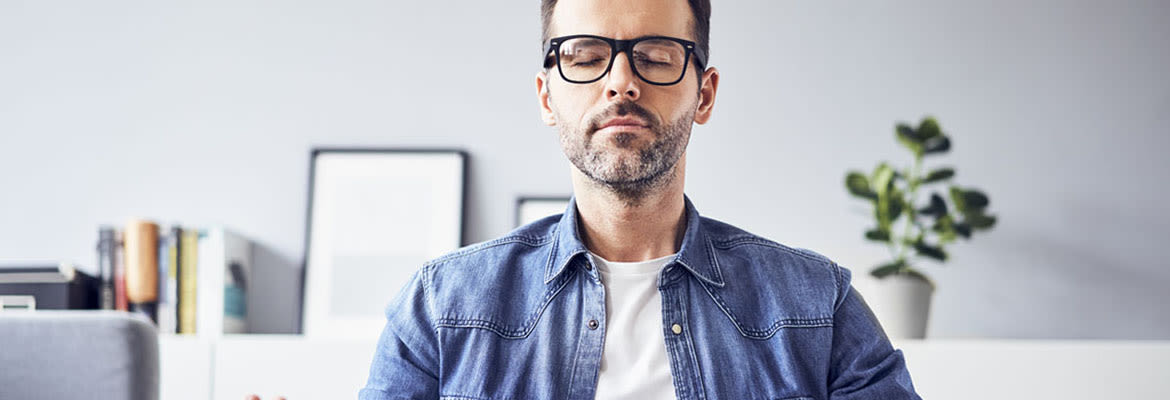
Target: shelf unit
(298, 367)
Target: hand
(255, 397)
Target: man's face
(620, 130)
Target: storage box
(47, 287)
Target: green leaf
(877, 234)
(963, 229)
(947, 236)
(938, 175)
(945, 226)
(910, 139)
(975, 199)
(882, 175)
(929, 128)
(942, 223)
(887, 269)
(881, 180)
(927, 250)
(858, 185)
(980, 221)
(968, 201)
(939, 144)
(896, 204)
(957, 198)
(971, 204)
(905, 130)
(937, 207)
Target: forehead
(622, 19)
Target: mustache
(620, 110)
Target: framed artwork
(374, 217)
(531, 208)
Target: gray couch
(65, 355)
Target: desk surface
(311, 368)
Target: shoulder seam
(759, 241)
(526, 240)
(838, 279)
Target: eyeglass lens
(656, 60)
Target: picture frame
(532, 208)
(375, 216)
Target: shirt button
(592, 324)
(588, 267)
(676, 328)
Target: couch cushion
(77, 355)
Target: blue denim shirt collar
(695, 254)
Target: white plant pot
(902, 305)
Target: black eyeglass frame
(617, 46)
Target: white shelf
(300, 368)
(1038, 369)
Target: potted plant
(915, 232)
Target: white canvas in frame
(530, 209)
(375, 218)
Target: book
(187, 281)
(105, 248)
(225, 265)
(121, 302)
(141, 249)
(168, 251)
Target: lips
(622, 124)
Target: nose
(621, 82)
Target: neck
(617, 229)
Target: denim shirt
(523, 317)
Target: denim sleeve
(406, 361)
(864, 365)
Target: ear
(707, 95)
(546, 112)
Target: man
(630, 294)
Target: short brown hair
(700, 26)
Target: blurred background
(205, 113)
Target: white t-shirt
(634, 364)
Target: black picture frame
(333, 250)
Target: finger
(251, 397)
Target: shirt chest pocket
(506, 347)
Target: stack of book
(189, 281)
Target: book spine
(121, 303)
(188, 261)
(105, 249)
(168, 315)
(141, 239)
(166, 302)
(173, 278)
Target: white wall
(204, 112)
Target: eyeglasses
(658, 60)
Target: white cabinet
(233, 366)
(184, 367)
(292, 366)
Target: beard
(627, 171)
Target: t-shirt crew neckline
(627, 268)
